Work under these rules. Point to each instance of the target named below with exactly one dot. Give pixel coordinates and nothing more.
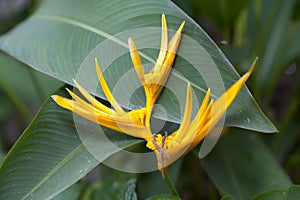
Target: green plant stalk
(262, 39)
(15, 99)
(169, 183)
(36, 85)
(291, 110)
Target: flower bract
(136, 123)
(169, 148)
(154, 81)
(131, 123)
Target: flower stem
(149, 107)
(169, 183)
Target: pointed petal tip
(182, 131)
(98, 69)
(181, 27)
(189, 89)
(163, 17)
(71, 93)
(208, 92)
(54, 97)
(68, 90)
(76, 83)
(131, 44)
(58, 99)
(135, 58)
(97, 64)
(163, 21)
(253, 65)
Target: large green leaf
(163, 197)
(242, 166)
(50, 156)
(112, 184)
(32, 86)
(290, 193)
(59, 36)
(72, 193)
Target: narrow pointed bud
(223, 102)
(136, 60)
(202, 109)
(91, 99)
(63, 102)
(163, 44)
(181, 27)
(173, 46)
(183, 129)
(107, 91)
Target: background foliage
(243, 165)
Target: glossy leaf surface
(68, 32)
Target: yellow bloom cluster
(136, 123)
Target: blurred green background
(269, 29)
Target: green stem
(169, 183)
(36, 85)
(21, 106)
(149, 107)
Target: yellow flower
(137, 122)
(131, 123)
(154, 81)
(168, 148)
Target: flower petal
(107, 91)
(202, 109)
(224, 101)
(183, 129)
(84, 104)
(203, 126)
(173, 46)
(136, 60)
(163, 44)
(63, 102)
(121, 124)
(91, 99)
